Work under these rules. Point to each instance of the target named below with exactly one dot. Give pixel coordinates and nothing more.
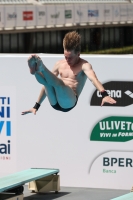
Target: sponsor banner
(130, 12)
(29, 15)
(93, 13)
(116, 12)
(32, 15)
(83, 13)
(123, 13)
(108, 13)
(113, 168)
(7, 129)
(101, 8)
(69, 16)
(10, 16)
(121, 91)
(41, 15)
(77, 13)
(96, 130)
(60, 19)
(1, 16)
(19, 21)
(113, 129)
(51, 15)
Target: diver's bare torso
(73, 76)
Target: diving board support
(46, 184)
(131, 189)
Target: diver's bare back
(73, 76)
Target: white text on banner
(29, 15)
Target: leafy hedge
(123, 50)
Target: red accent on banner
(28, 15)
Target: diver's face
(71, 57)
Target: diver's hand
(32, 110)
(108, 99)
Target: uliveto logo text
(113, 129)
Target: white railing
(83, 1)
(61, 1)
(55, 15)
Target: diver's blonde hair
(72, 41)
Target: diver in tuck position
(63, 92)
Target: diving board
(128, 196)
(18, 179)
